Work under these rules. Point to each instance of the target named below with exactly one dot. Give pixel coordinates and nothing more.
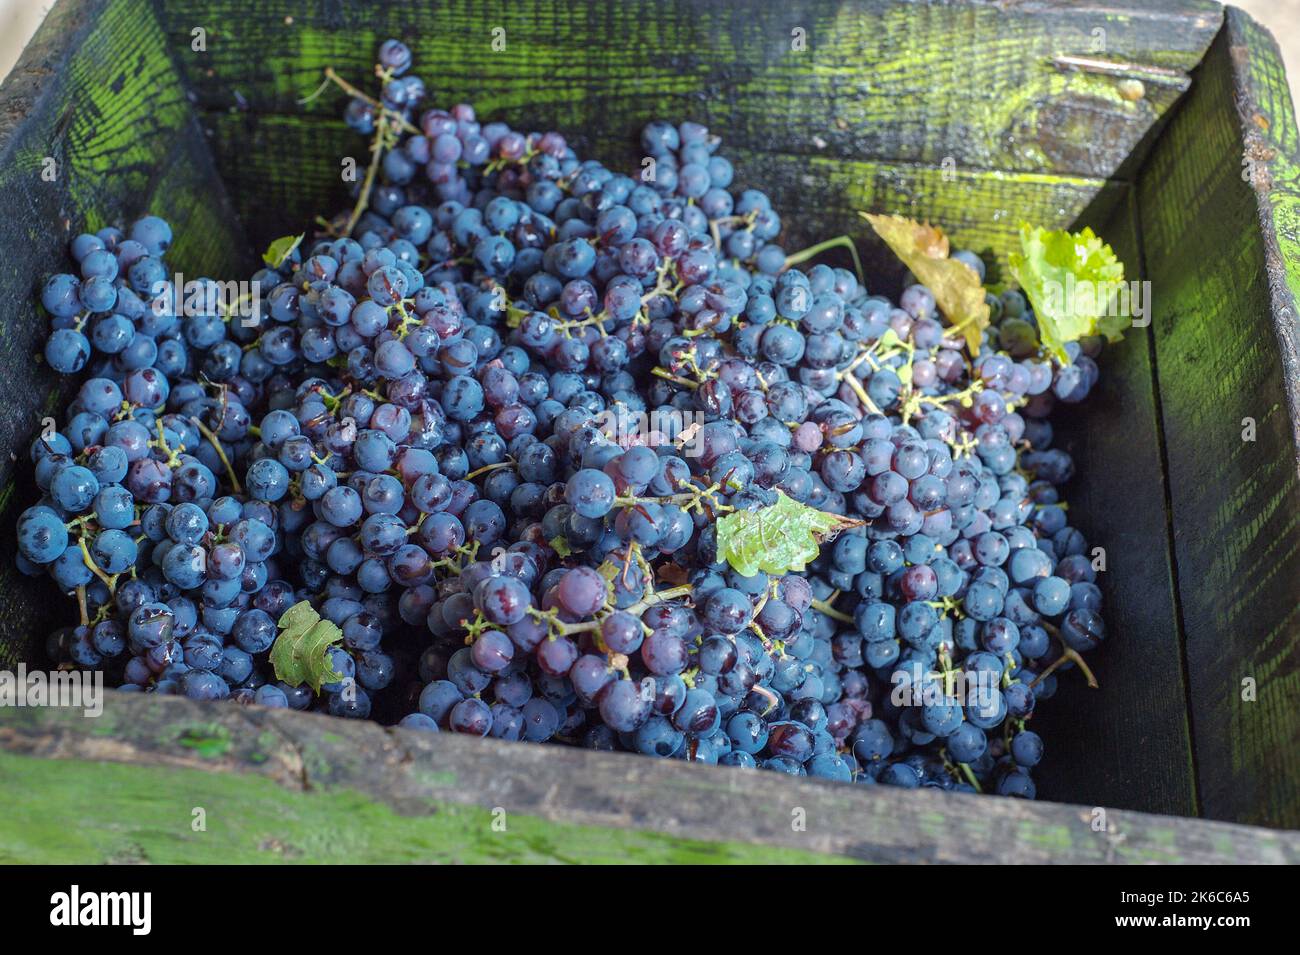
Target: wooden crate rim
(414, 773)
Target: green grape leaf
(300, 653)
(1073, 280)
(778, 538)
(955, 285)
(280, 250)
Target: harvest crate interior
(1167, 126)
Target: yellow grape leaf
(955, 285)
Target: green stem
(559, 627)
(377, 150)
(1068, 654)
(81, 605)
(332, 77)
(109, 582)
(221, 453)
(839, 242)
(861, 392)
(822, 606)
(508, 462)
(675, 379)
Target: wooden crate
(973, 114)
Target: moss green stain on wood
(1272, 151)
(210, 742)
(1218, 200)
(907, 82)
(118, 134)
(417, 775)
(108, 113)
(61, 812)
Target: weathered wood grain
(1128, 743)
(359, 774)
(1218, 201)
(97, 93)
(1005, 86)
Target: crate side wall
(1222, 289)
(1128, 743)
(98, 131)
(879, 66)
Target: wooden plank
(1135, 725)
(1219, 201)
(1032, 87)
(351, 777)
(95, 92)
(817, 196)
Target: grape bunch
(489, 424)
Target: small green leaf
(280, 250)
(300, 653)
(1072, 279)
(776, 539)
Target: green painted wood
(96, 92)
(1128, 743)
(277, 784)
(1222, 253)
(987, 85)
(120, 819)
